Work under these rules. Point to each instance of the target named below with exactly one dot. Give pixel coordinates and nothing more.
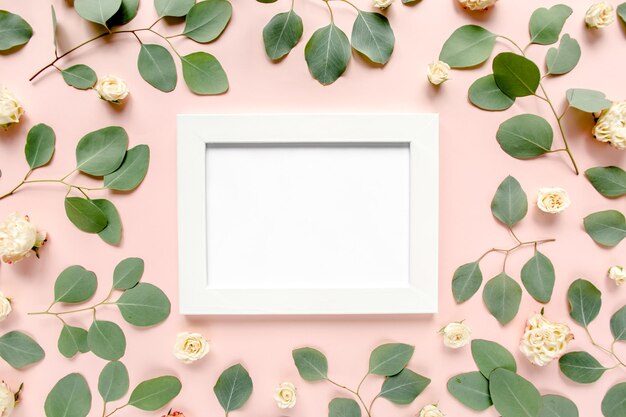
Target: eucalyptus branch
(61, 181)
(610, 352)
(357, 394)
(61, 313)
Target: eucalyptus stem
(62, 181)
(610, 352)
(116, 410)
(61, 313)
(356, 393)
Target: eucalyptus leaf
(585, 301)
(74, 285)
(204, 74)
(173, 8)
(132, 171)
(613, 401)
(621, 12)
(327, 54)
(344, 407)
(525, 136)
(538, 277)
(97, 11)
(79, 76)
(373, 37)
(233, 388)
(207, 20)
(127, 273)
(618, 324)
(512, 395)
(563, 59)
(609, 181)
(581, 367)
(113, 381)
(557, 406)
(468, 46)
(502, 296)
(72, 340)
(19, 349)
(126, 13)
(389, 359)
(282, 33)
(515, 75)
(155, 393)
(112, 233)
(485, 94)
(85, 215)
(102, 151)
(509, 204)
(589, 101)
(466, 281)
(144, 305)
(490, 356)
(471, 389)
(156, 66)
(311, 363)
(546, 24)
(15, 30)
(607, 228)
(54, 28)
(106, 340)
(39, 145)
(403, 388)
(70, 397)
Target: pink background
(472, 165)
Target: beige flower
(618, 274)
(477, 4)
(190, 347)
(431, 410)
(552, 200)
(611, 125)
(438, 72)
(111, 88)
(285, 395)
(544, 341)
(600, 15)
(7, 400)
(382, 4)
(5, 307)
(19, 238)
(456, 335)
(10, 109)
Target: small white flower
(456, 335)
(10, 109)
(5, 307)
(382, 4)
(618, 274)
(600, 15)
(611, 126)
(285, 395)
(111, 88)
(7, 400)
(553, 200)
(438, 72)
(431, 410)
(477, 4)
(544, 341)
(190, 347)
(19, 238)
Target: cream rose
(600, 15)
(456, 335)
(10, 109)
(7, 400)
(431, 410)
(285, 395)
(190, 347)
(382, 4)
(553, 200)
(5, 307)
(477, 4)
(19, 238)
(611, 126)
(111, 88)
(544, 341)
(618, 274)
(438, 72)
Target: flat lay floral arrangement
(118, 164)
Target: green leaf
(113, 381)
(621, 12)
(102, 151)
(97, 11)
(156, 66)
(512, 395)
(72, 340)
(75, 285)
(207, 20)
(79, 76)
(525, 136)
(282, 33)
(613, 403)
(132, 171)
(344, 407)
(327, 54)
(15, 30)
(609, 181)
(20, 350)
(70, 397)
(563, 59)
(466, 281)
(490, 356)
(403, 388)
(39, 145)
(155, 393)
(546, 24)
(557, 406)
(127, 273)
(173, 8)
(606, 228)
(516, 75)
(589, 101)
(502, 296)
(581, 367)
(54, 28)
(485, 94)
(585, 301)
(373, 37)
(311, 363)
(144, 305)
(126, 13)
(85, 215)
(389, 359)
(204, 74)
(106, 340)
(468, 46)
(509, 204)
(538, 277)
(471, 389)
(233, 388)
(112, 233)
(618, 324)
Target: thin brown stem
(355, 393)
(610, 352)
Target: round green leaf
(106, 340)
(485, 94)
(557, 406)
(128, 273)
(282, 33)
(79, 76)
(70, 397)
(466, 281)
(403, 388)
(618, 324)
(389, 359)
(613, 404)
(155, 393)
(204, 74)
(75, 285)
(525, 136)
(156, 66)
(344, 407)
(126, 13)
(97, 11)
(621, 12)
(606, 228)
(471, 390)
(609, 181)
(512, 395)
(112, 233)
(85, 215)
(233, 388)
(585, 301)
(502, 296)
(311, 363)
(546, 24)
(144, 305)
(54, 28)
(132, 171)
(20, 350)
(101, 152)
(563, 59)
(468, 46)
(72, 340)
(15, 30)
(589, 101)
(327, 54)
(490, 356)
(173, 8)
(581, 367)
(207, 20)
(538, 277)
(373, 37)
(113, 381)
(516, 75)
(39, 145)
(509, 204)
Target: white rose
(477, 4)
(431, 410)
(618, 274)
(111, 88)
(600, 15)
(190, 347)
(552, 200)
(7, 400)
(382, 4)
(611, 125)
(19, 238)
(285, 395)
(5, 307)
(544, 341)
(456, 335)
(10, 109)
(438, 72)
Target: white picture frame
(197, 134)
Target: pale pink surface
(472, 165)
